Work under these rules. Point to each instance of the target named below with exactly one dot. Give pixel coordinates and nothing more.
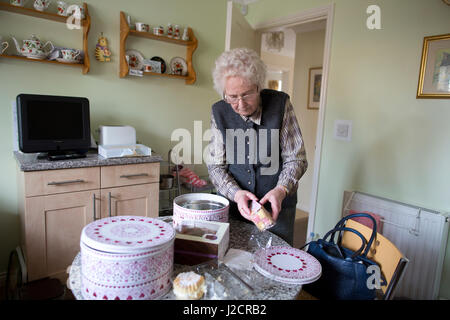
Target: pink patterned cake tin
(126, 258)
(200, 206)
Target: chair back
(391, 261)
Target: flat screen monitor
(55, 125)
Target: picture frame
(434, 75)
(314, 87)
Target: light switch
(343, 130)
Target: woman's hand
(275, 197)
(242, 197)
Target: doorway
(318, 20)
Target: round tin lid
(127, 234)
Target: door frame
(325, 12)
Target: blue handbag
(344, 272)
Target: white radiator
(420, 234)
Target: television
(57, 126)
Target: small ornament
(169, 30)
(102, 52)
(176, 34)
(185, 36)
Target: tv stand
(62, 155)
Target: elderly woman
(257, 151)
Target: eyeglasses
(234, 99)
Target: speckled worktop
(244, 236)
(30, 162)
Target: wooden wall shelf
(191, 46)
(85, 23)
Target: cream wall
(399, 149)
(308, 54)
(155, 106)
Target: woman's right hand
(242, 197)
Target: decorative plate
(127, 234)
(163, 63)
(136, 60)
(287, 265)
(178, 66)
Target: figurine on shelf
(102, 52)
(185, 36)
(176, 32)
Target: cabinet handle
(93, 200)
(109, 203)
(59, 183)
(128, 176)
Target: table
(244, 236)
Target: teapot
(33, 48)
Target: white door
(239, 32)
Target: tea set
(170, 32)
(63, 9)
(34, 48)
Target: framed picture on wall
(314, 85)
(434, 76)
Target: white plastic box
(136, 150)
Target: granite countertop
(30, 161)
(244, 236)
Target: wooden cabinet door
(138, 200)
(54, 224)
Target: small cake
(261, 217)
(189, 286)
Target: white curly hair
(242, 62)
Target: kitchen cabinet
(55, 205)
(85, 24)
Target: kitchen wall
(155, 106)
(399, 149)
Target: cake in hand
(189, 286)
(260, 216)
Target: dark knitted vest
(243, 156)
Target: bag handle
(340, 229)
(357, 215)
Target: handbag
(344, 272)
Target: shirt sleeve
(293, 154)
(216, 164)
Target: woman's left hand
(275, 197)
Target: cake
(189, 286)
(261, 217)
